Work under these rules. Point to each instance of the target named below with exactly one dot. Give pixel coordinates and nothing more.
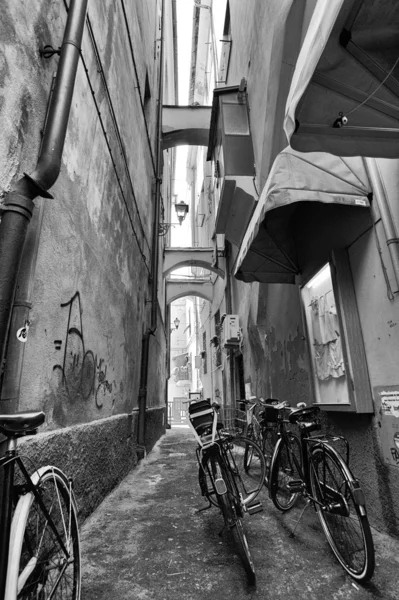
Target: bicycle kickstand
(205, 508)
(308, 502)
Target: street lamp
(181, 211)
(177, 323)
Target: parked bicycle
(312, 467)
(224, 480)
(264, 425)
(39, 546)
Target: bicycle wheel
(228, 505)
(285, 467)
(268, 445)
(342, 512)
(42, 564)
(249, 475)
(243, 550)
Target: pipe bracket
(40, 190)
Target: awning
(311, 203)
(348, 67)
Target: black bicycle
(312, 467)
(39, 546)
(224, 479)
(264, 420)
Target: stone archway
(175, 258)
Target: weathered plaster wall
(97, 455)
(90, 286)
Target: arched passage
(175, 258)
(178, 289)
(185, 126)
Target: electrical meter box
(231, 330)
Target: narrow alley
(147, 541)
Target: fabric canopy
(348, 67)
(311, 203)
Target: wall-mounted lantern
(181, 210)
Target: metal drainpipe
(144, 372)
(18, 204)
(380, 196)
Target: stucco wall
(89, 284)
(96, 455)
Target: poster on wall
(387, 402)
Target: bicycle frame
(304, 468)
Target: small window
(337, 356)
(235, 119)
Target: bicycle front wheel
(44, 559)
(285, 468)
(268, 444)
(249, 474)
(342, 513)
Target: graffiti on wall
(387, 403)
(83, 374)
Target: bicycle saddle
(302, 414)
(21, 423)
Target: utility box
(231, 331)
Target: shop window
(337, 356)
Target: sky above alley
(185, 11)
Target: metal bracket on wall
(48, 51)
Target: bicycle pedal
(254, 508)
(295, 485)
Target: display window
(325, 340)
(337, 359)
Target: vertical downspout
(18, 204)
(380, 196)
(144, 373)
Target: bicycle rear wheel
(342, 512)
(285, 467)
(42, 564)
(249, 474)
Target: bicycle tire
(249, 450)
(224, 501)
(342, 512)
(268, 444)
(227, 503)
(243, 550)
(283, 470)
(249, 475)
(38, 566)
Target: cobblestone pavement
(148, 542)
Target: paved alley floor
(148, 542)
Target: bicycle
(264, 422)
(223, 478)
(313, 468)
(39, 547)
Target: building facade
(310, 237)
(86, 338)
